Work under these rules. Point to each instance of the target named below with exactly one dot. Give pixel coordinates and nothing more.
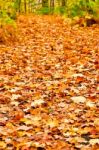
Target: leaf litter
(49, 87)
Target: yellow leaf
(26, 121)
(52, 123)
(10, 125)
(21, 133)
(96, 121)
(2, 144)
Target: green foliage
(6, 19)
(94, 7)
(44, 11)
(47, 10)
(60, 10)
(84, 7)
(7, 13)
(78, 9)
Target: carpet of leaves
(49, 87)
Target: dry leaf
(78, 99)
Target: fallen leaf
(2, 145)
(94, 141)
(90, 104)
(78, 99)
(37, 102)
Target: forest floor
(49, 87)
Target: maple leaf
(2, 144)
(78, 99)
(94, 141)
(52, 123)
(37, 102)
(90, 104)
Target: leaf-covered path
(49, 87)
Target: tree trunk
(63, 3)
(18, 5)
(25, 7)
(51, 3)
(44, 3)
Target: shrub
(60, 10)
(83, 8)
(43, 11)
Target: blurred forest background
(10, 9)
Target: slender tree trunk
(51, 3)
(25, 6)
(29, 6)
(63, 2)
(18, 5)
